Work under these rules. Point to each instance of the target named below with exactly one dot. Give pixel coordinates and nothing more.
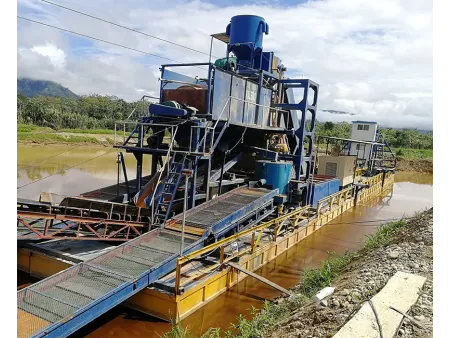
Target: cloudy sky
(372, 59)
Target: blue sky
(371, 59)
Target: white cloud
(371, 58)
(56, 55)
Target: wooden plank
(258, 277)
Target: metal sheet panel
(237, 106)
(251, 92)
(222, 82)
(266, 98)
(170, 75)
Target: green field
(46, 138)
(28, 133)
(88, 131)
(422, 154)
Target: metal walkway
(61, 304)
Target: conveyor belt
(61, 304)
(219, 213)
(89, 289)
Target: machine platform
(62, 303)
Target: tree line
(396, 138)
(87, 112)
(100, 112)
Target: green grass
(44, 135)
(88, 131)
(30, 128)
(316, 279)
(54, 138)
(178, 331)
(409, 154)
(384, 235)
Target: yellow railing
(292, 217)
(325, 207)
(373, 180)
(330, 202)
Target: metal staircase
(382, 156)
(169, 188)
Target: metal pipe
(221, 172)
(125, 175)
(184, 212)
(118, 173)
(312, 178)
(210, 49)
(185, 64)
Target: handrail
(192, 255)
(203, 140)
(167, 159)
(261, 105)
(296, 214)
(140, 102)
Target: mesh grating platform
(212, 212)
(60, 296)
(99, 284)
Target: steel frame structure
(53, 226)
(294, 125)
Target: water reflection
(71, 169)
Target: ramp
(61, 304)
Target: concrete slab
(401, 292)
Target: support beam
(226, 167)
(258, 277)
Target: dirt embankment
(417, 165)
(410, 251)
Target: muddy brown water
(412, 192)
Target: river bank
(405, 245)
(102, 139)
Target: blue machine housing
(276, 174)
(164, 110)
(323, 187)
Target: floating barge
(237, 178)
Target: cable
(374, 220)
(76, 165)
(124, 27)
(376, 317)
(101, 40)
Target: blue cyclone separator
(276, 174)
(247, 28)
(246, 36)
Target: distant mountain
(30, 88)
(338, 112)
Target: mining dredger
(237, 177)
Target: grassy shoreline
(313, 281)
(30, 134)
(408, 159)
